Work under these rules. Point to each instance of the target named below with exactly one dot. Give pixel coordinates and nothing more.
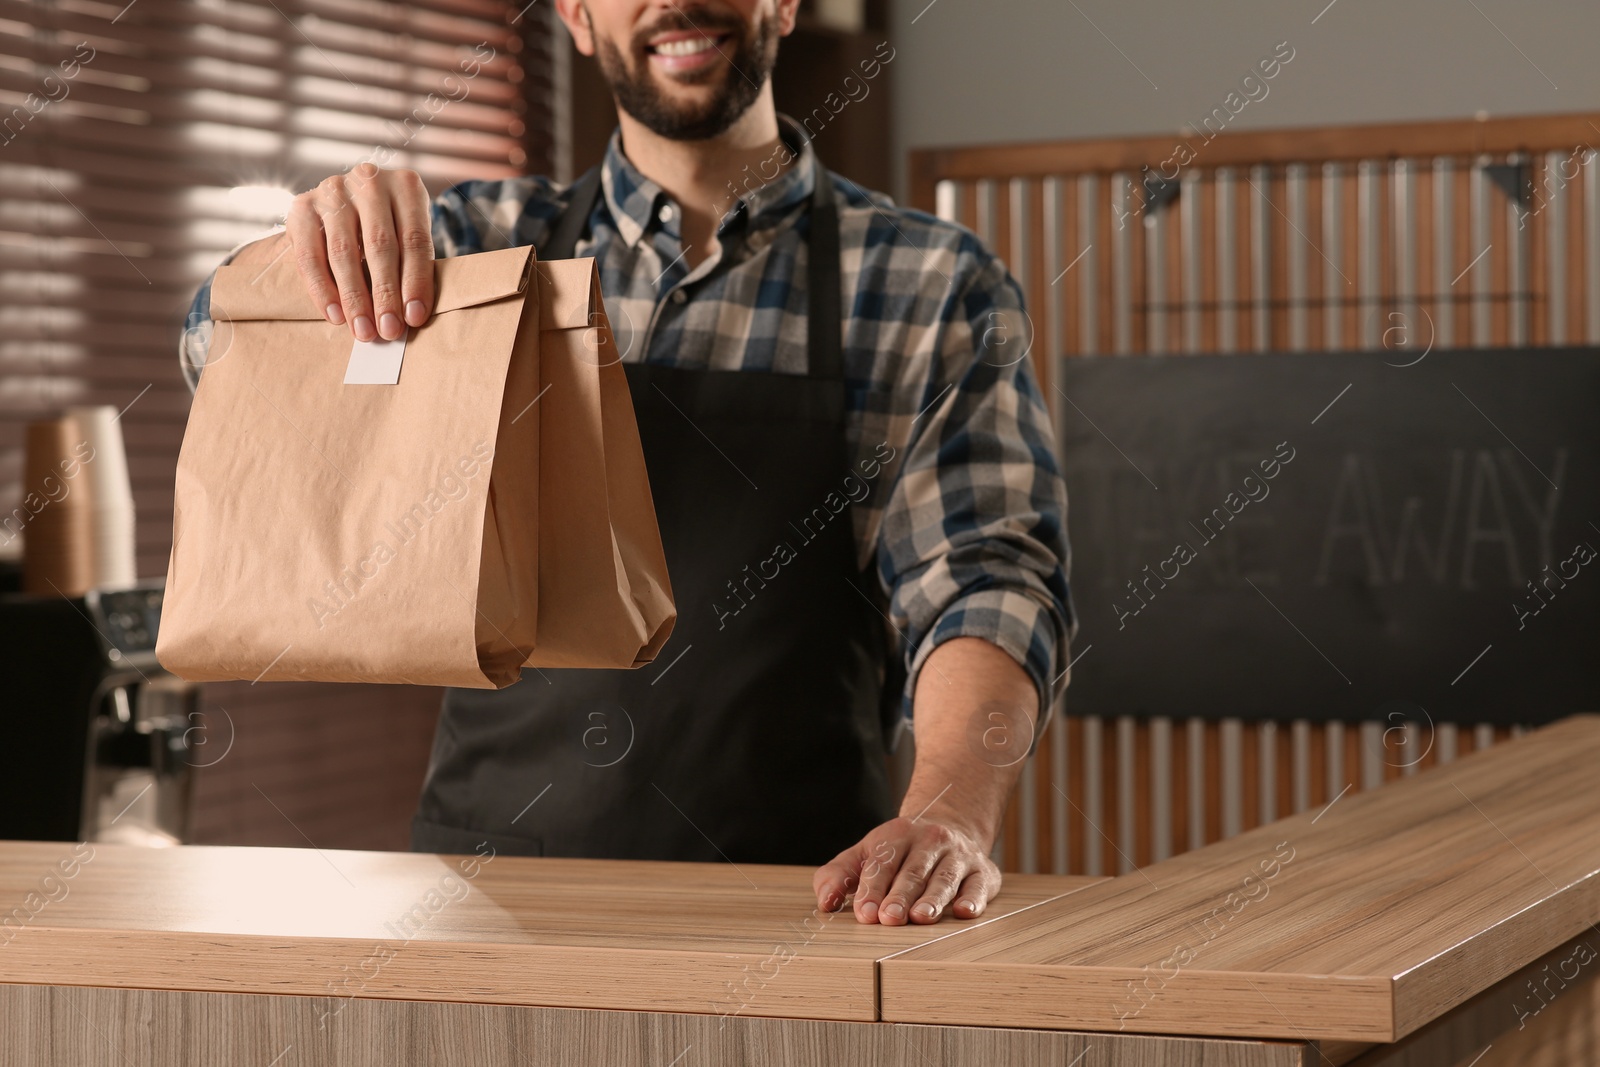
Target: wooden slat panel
(1225, 203)
(1071, 284)
(1244, 243)
(1061, 810)
(1318, 757)
(1336, 287)
(1517, 241)
(1441, 248)
(1138, 294)
(1205, 190)
(1180, 786)
(1178, 294)
(1591, 246)
(1499, 260)
(1316, 261)
(1537, 218)
(1250, 776)
(1081, 835)
(1143, 816)
(1398, 241)
(1110, 778)
(1277, 195)
(1463, 252)
(1351, 242)
(1352, 757)
(1388, 910)
(1285, 772)
(1099, 197)
(1214, 784)
(1296, 145)
(1036, 282)
(1576, 213)
(64, 1026)
(1044, 804)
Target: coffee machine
(98, 735)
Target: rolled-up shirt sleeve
(194, 343)
(973, 541)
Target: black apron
(758, 734)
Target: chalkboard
(1335, 536)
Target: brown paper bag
(487, 511)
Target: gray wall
(976, 71)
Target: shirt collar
(635, 201)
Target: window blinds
(140, 141)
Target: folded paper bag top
(325, 531)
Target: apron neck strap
(824, 318)
(563, 239)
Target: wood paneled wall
(1401, 237)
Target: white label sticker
(376, 362)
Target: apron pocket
(429, 836)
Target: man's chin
(687, 89)
(686, 110)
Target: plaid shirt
(968, 526)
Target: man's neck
(706, 178)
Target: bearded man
(853, 473)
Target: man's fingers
(343, 238)
(940, 888)
(836, 880)
(413, 226)
(977, 889)
(877, 874)
(311, 257)
(382, 252)
(911, 878)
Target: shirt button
(678, 296)
(665, 214)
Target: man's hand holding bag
(441, 514)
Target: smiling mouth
(686, 47)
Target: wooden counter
(1362, 921)
(557, 932)
(1400, 926)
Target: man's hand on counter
(974, 710)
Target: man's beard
(750, 55)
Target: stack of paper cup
(78, 505)
(110, 494)
(58, 551)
